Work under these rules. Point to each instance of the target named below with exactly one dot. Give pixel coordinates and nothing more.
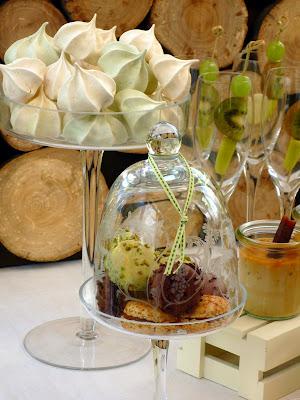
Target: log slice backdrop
(266, 202)
(125, 14)
(20, 18)
(184, 27)
(41, 204)
(18, 144)
(290, 36)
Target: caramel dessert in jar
(269, 271)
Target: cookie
(209, 306)
(137, 310)
(142, 311)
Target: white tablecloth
(32, 295)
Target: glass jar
(269, 271)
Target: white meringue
(80, 39)
(41, 120)
(38, 45)
(56, 75)
(86, 91)
(152, 82)
(126, 65)
(143, 40)
(173, 75)
(103, 130)
(106, 35)
(140, 112)
(22, 78)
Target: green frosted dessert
(129, 262)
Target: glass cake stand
(76, 343)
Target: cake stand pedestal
(77, 342)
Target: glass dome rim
(103, 315)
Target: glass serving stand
(166, 257)
(77, 343)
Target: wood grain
(290, 36)
(18, 144)
(41, 204)
(186, 29)
(266, 204)
(20, 18)
(125, 14)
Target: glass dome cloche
(166, 256)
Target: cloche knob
(164, 139)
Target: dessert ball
(213, 286)
(129, 263)
(178, 292)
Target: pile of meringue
(87, 87)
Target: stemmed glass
(158, 211)
(75, 342)
(281, 132)
(222, 130)
(256, 156)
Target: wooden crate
(259, 359)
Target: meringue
(126, 65)
(103, 130)
(56, 75)
(41, 120)
(80, 40)
(173, 75)
(86, 91)
(143, 40)
(38, 45)
(106, 35)
(141, 112)
(22, 78)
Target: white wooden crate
(259, 359)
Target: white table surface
(32, 295)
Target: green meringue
(140, 112)
(126, 65)
(93, 130)
(38, 45)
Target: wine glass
(166, 254)
(222, 130)
(76, 343)
(256, 156)
(281, 132)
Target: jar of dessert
(269, 271)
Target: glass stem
(252, 173)
(91, 168)
(160, 356)
(286, 201)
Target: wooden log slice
(19, 144)
(290, 36)
(41, 204)
(266, 202)
(185, 27)
(125, 14)
(20, 18)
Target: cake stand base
(56, 343)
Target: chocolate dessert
(178, 292)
